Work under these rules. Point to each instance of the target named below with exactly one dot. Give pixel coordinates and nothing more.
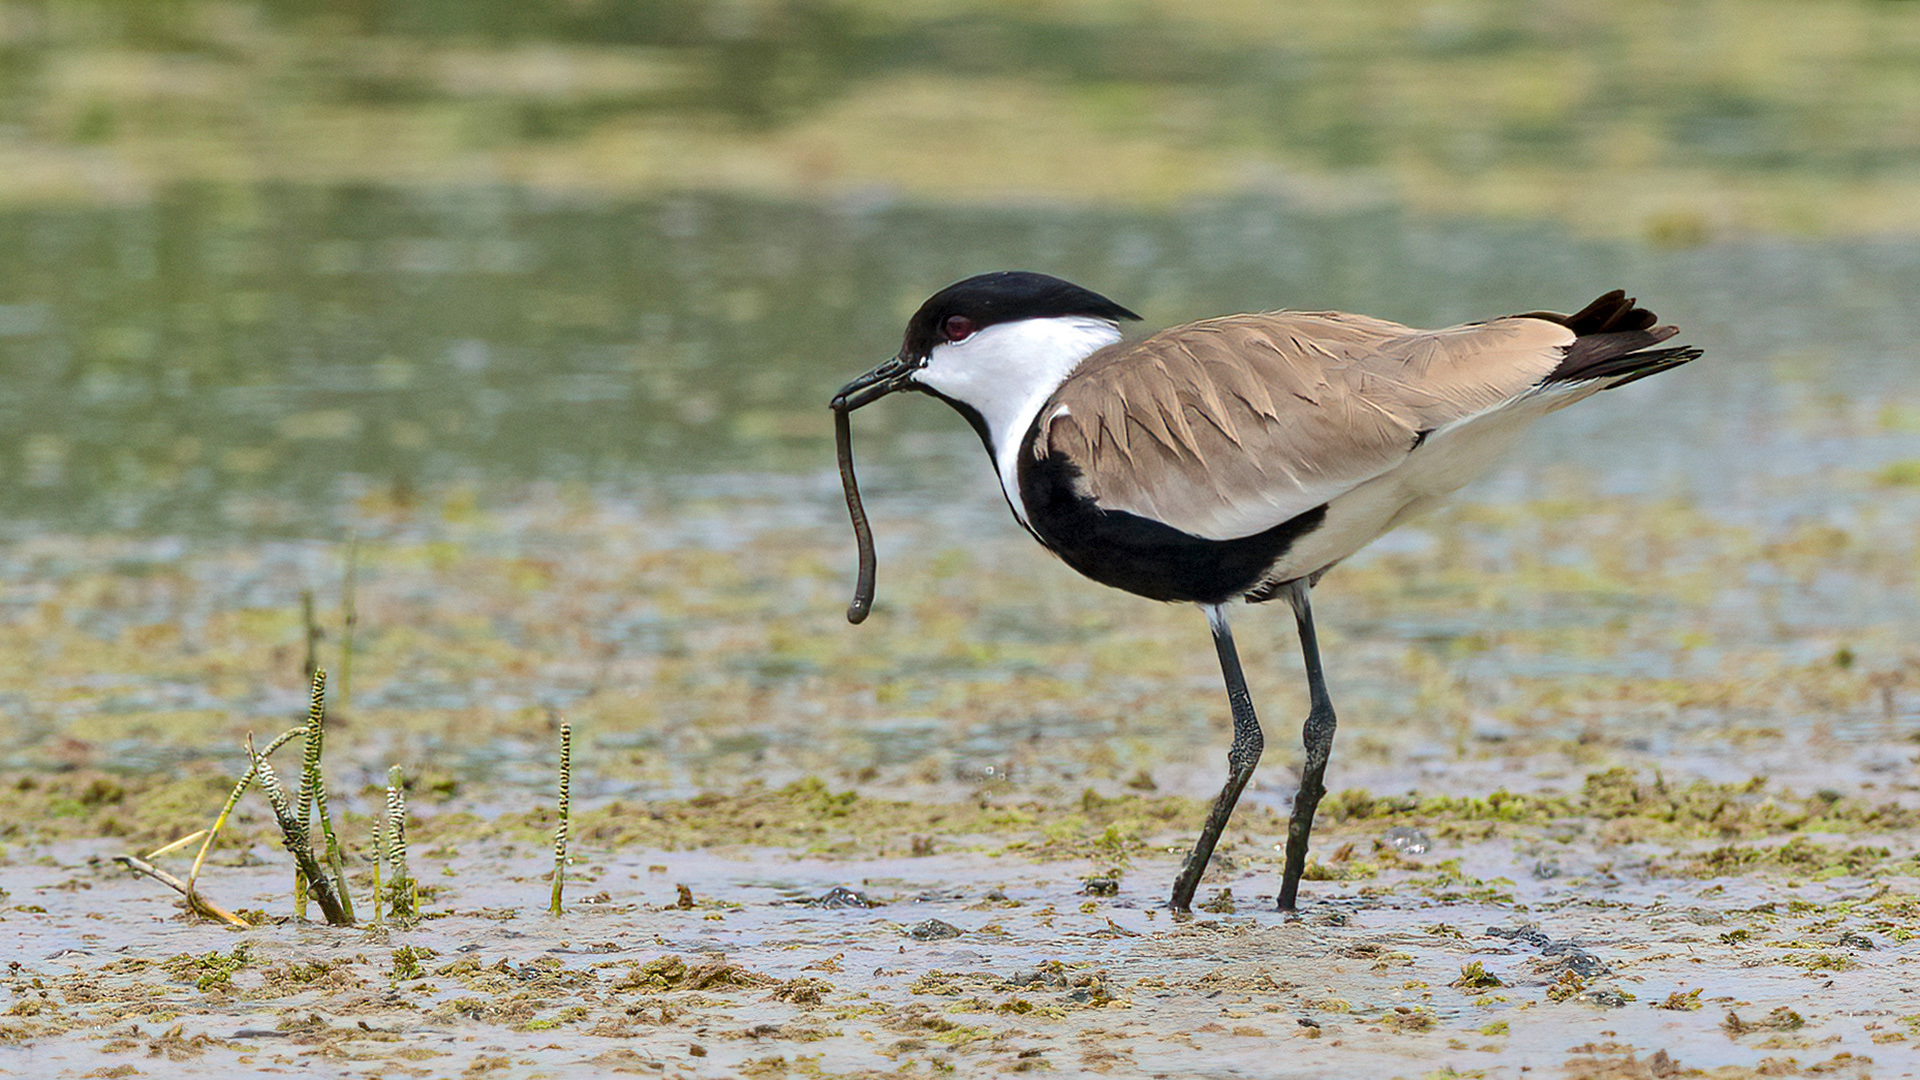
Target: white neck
(1007, 372)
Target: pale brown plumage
(1228, 426)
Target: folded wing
(1227, 427)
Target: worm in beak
(865, 390)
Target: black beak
(874, 385)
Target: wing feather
(1229, 426)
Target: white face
(1003, 367)
(1008, 371)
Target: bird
(1237, 458)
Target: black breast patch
(1143, 556)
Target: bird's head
(991, 336)
(993, 347)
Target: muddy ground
(1625, 787)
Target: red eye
(957, 327)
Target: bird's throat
(1004, 375)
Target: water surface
(240, 362)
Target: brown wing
(1225, 427)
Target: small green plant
(379, 860)
(401, 893)
(299, 843)
(1473, 976)
(406, 962)
(560, 829)
(1679, 1002)
(313, 790)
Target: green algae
(1682, 1002)
(211, 971)
(674, 974)
(1748, 820)
(1474, 976)
(407, 962)
(808, 816)
(1631, 809)
(1799, 856)
(1780, 1019)
(145, 809)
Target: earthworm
(862, 532)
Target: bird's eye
(957, 327)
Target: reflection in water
(236, 361)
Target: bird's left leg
(1248, 742)
(1318, 736)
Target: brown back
(1228, 426)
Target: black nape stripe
(1142, 556)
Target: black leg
(1248, 742)
(1318, 735)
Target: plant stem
(233, 799)
(200, 904)
(379, 858)
(401, 896)
(293, 832)
(560, 829)
(313, 784)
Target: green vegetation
(1665, 121)
(213, 971)
(1633, 808)
(1473, 977)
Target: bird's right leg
(1317, 733)
(1248, 742)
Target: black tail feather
(1613, 313)
(1614, 340)
(1621, 370)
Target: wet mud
(1624, 788)
(985, 960)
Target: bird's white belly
(1447, 461)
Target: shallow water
(1034, 973)
(238, 363)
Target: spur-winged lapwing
(1236, 458)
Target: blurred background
(543, 303)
